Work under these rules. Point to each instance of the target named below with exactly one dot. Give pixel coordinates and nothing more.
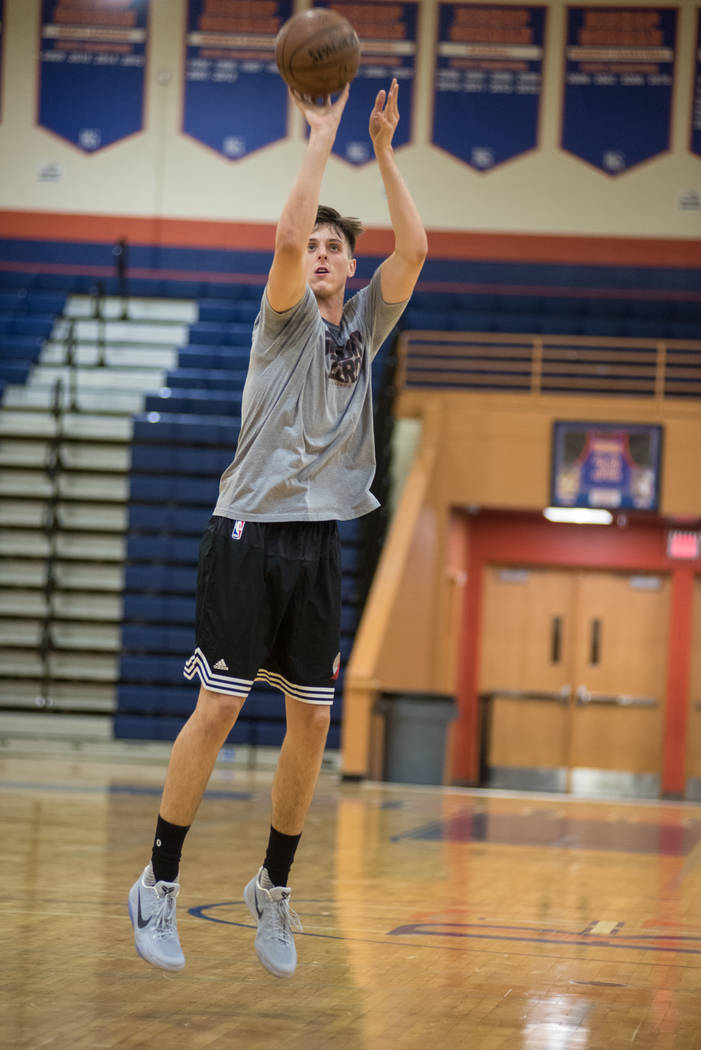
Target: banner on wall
(235, 98)
(91, 70)
(619, 71)
(696, 107)
(387, 32)
(488, 79)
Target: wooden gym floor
(432, 918)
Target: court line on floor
(552, 937)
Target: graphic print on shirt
(345, 360)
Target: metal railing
(544, 364)
(51, 526)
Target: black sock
(167, 849)
(281, 853)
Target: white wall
(161, 172)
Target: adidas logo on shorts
(220, 665)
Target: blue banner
(235, 98)
(387, 32)
(92, 59)
(696, 110)
(619, 73)
(488, 79)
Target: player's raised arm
(286, 280)
(400, 271)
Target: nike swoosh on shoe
(141, 922)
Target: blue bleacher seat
(202, 402)
(686, 309)
(170, 579)
(567, 324)
(565, 305)
(14, 371)
(644, 328)
(172, 520)
(178, 428)
(174, 459)
(214, 334)
(684, 329)
(601, 326)
(168, 550)
(241, 311)
(198, 356)
(205, 379)
(183, 490)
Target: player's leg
(298, 765)
(194, 753)
(231, 635)
(152, 897)
(304, 664)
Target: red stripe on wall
(443, 244)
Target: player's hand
(384, 117)
(323, 117)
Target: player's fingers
(379, 101)
(393, 98)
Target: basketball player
(268, 593)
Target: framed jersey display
(610, 465)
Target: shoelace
(285, 919)
(164, 916)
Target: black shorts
(269, 608)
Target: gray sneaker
(275, 945)
(152, 914)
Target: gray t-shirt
(306, 448)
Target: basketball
(317, 52)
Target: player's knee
(219, 708)
(316, 719)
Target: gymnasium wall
(163, 174)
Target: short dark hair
(348, 225)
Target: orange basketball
(317, 52)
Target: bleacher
(26, 321)
(65, 431)
(634, 345)
(656, 314)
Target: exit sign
(683, 544)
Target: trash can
(415, 736)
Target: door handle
(584, 697)
(560, 696)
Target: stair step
(21, 663)
(28, 483)
(18, 452)
(23, 692)
(182, 311)
(124, 380)
(122, 333)
(84, 516)
(90, 638)
(31, 604)
(31, 543)
(88, 355)
(77, 425)
(41, 399)
(69, 576)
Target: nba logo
(237, 531)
